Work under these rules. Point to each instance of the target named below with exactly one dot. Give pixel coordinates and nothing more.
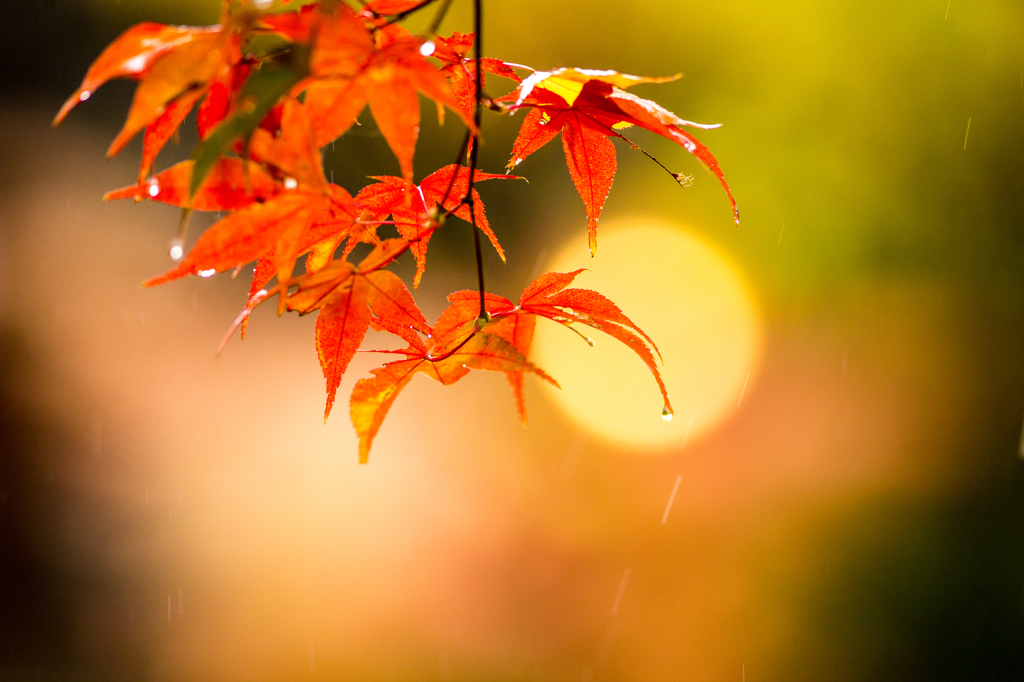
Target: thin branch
(458, 165)
(482, 318)
(439, 17)
(412, 10)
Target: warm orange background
(165, 515)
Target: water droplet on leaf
(207, 273)
(427, 48)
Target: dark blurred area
(860, 518)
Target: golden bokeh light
(690, 300)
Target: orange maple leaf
(230, 185)
(546, 297)
(174, 65)
(350, 71)
(460, 68)
(308, 211)
(588, 107)
(347, 297)
(372, 398)
(414, 207)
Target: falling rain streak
(743, 390)
(686, 434)
(621, 592)
(671, 499)
(967, 133)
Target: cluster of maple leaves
(272, 85)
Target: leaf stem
(634, 145)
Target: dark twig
(482, 318)
(412, 10)
(439, 17)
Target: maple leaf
(273, 86)
(459, 320)
(414, 207)
(130, 55)
(372, 398)
(460, 69)
(230, 185)
(548, 297)
(350, 71)
(174, 65)
(346, 296)
(588, 107)
(307, 212)
(164, 127)
(349, 299)
(256, 106)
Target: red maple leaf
(372, 398)
(460, 68)
(175, 66)
(546, 297)
(588, 107)
(348, 297)
(351, 69)
(307, 212)
(273, 86)
(415, 211)
(230, 185)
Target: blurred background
(840, 495)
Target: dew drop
(154, 188)
(207, 273)
(136, 64)
(665, 414)
(290, 183)
(427, 48)
(177, 252)
(84, 96)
